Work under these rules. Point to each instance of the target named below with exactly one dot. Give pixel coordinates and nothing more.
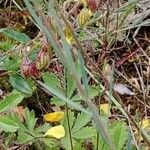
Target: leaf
(81, 121)
(63, 97)
(122, 89)
(20, 84)
(11, 101)
(105, 109)
(56, 132)
(51, 79)
(18, 36)
(24, 137)
(7, 124)
(119, 134)
(53, 117)
(70, 85)
(85, 133)
(30, 119)
(57, 101)
(71, 120)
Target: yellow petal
(56, 132)
(55, 116)
(105, 109)
(84, 2)
(145, 124)
(68, 35)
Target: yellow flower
(68, 35)
(84, 2)
(145, 124)
(105, 109)
(84, 17)
(55, 116)
(56, 132)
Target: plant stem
(70, 136)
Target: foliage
(61, 91)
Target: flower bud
(34, 71)
(43, 58)
(84, 17)
(28, 69)
(68, 35)
(93, 4)
(25, 67)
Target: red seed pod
(93, 4)
(28, 69)
(43, 58)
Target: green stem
(70, 136)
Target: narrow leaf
(20, 84)
(18, 36)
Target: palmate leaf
(63, 97)
(81, 120)
(85, 133)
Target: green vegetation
(74, 75)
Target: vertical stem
(99, 102)
(70, 136)
(67, 111)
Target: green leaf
(119, 134)
(70, 85)
(24, 137)
(51, 79)
(11, 101)
(8, 125)
(57, 101)
(63, 98)
(80, 122)
(30, 119)
(85, 133)
(20, 84)
(18, 36)
(10, 63)
(71, 120)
